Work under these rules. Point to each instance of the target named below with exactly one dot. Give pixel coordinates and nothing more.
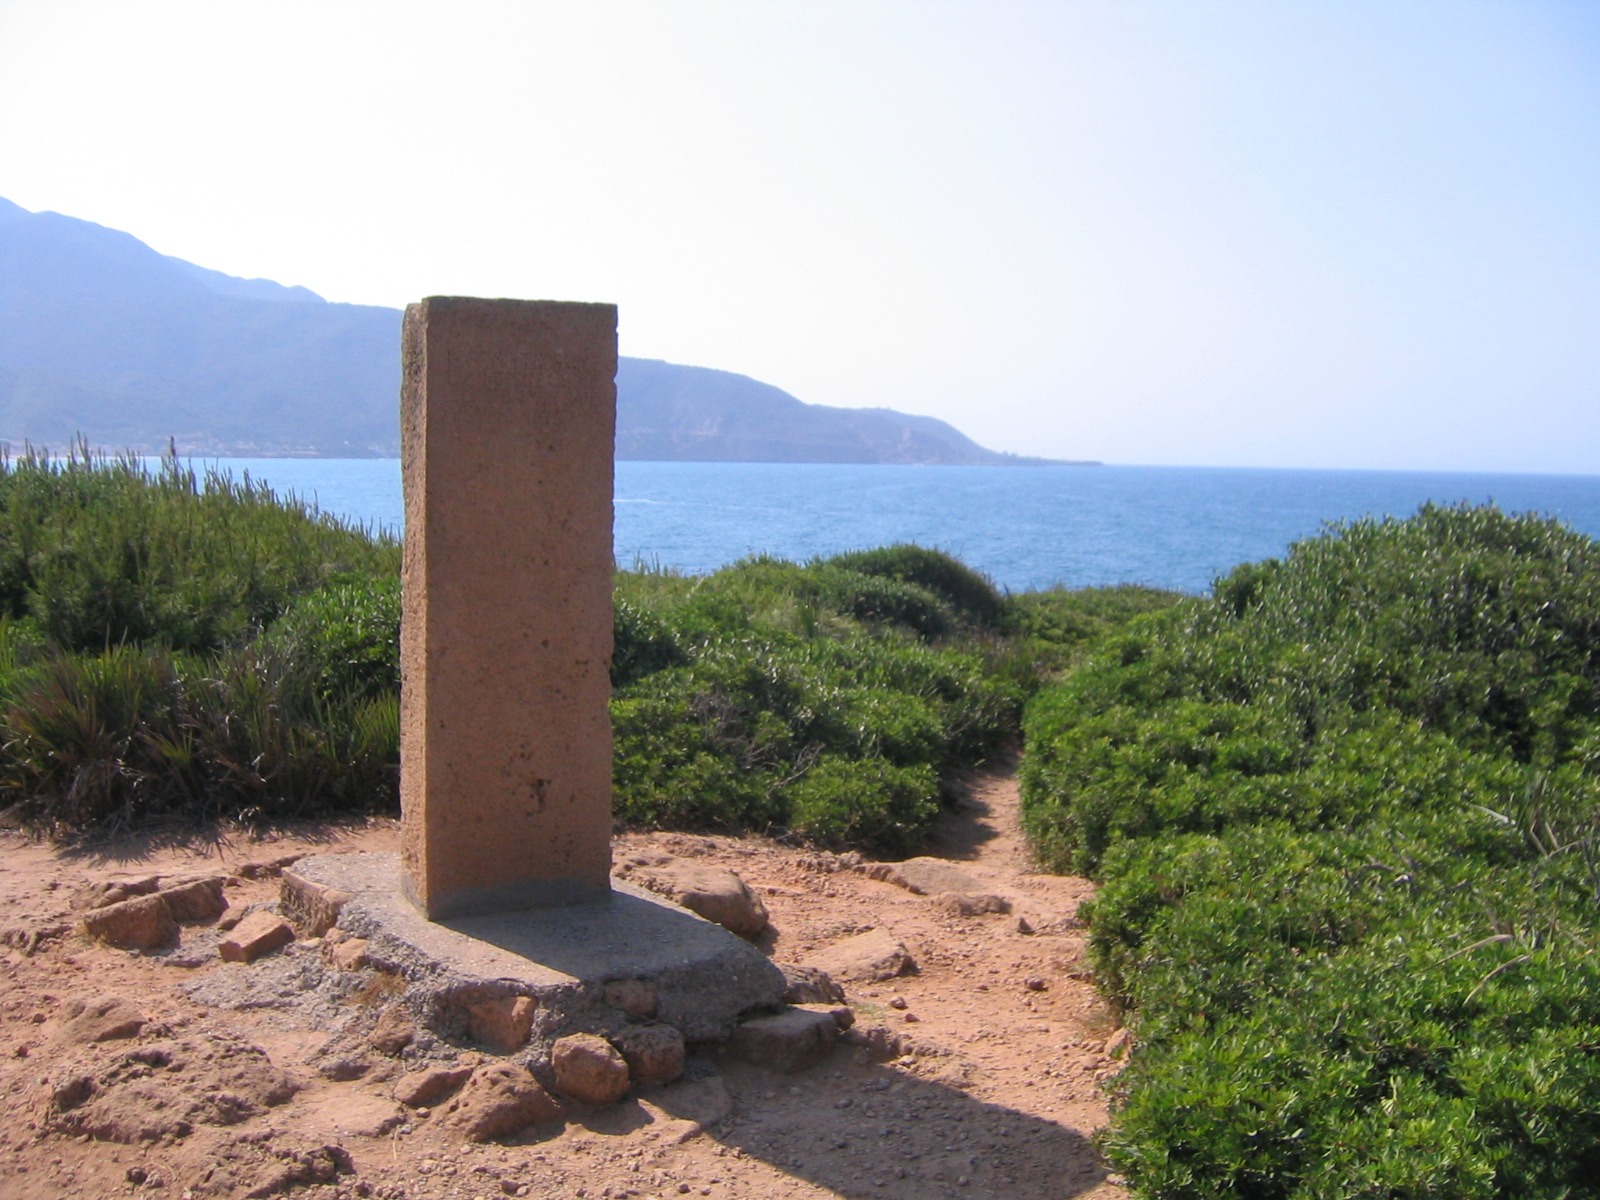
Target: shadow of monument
(883, 1133)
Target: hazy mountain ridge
(103, 336)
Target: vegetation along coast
(1290, 890)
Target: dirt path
(993, 1087)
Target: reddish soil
(994, 1086)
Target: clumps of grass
(1346, 815)
(180, 642)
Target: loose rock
(498, 1100)
(394, 1031)
(809, 985)
(788, 1041)
(502, 1024)
(589, 1069)
(654, 1053)
(871, 957)
(424, 1089)
(259, 933)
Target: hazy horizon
(1243, 234)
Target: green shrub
(1346, 816)
(866, 803)
(346, 637)
(965, 590)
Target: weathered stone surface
(704, 976)
(195, 901)
(503, 1023)
(259, 933)
(788, 1041)
(424, 1089)
(654, 1053)
(636, 997)
(809, 985)
(497, 1101)
(971, 904)
(508, 414)
(870, 957)
(714, 893)
(930, 876)
(394, 1031)
(166, 1088)
(589, 1069)
(100, 1020)
(101, 892)
(142, 923)
(311, 905)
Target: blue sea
(1024, 527)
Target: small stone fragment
(142, 923)
(424, 1089)
(394, 1031)
(714, 893)
(654, 1053)
(498, 1100)
(1035, 984)
(102, 1020)
(259, 933)
(788, 1041)
(502, 1024)
(348, 954)
(589, 1069)
(1117, 1043)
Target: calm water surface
(1024, 527)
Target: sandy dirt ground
(982, 1074)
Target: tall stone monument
(508, 420)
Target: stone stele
(508, 421)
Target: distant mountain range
(102, 336)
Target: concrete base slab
(591, 968)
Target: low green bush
(1346, 818)
(968, 593)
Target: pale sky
(1295, 233)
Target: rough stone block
(654, 1053)
(788, 1041)
(508, 417)
(259, 933)
(195, 901)
(142, 923)
(502, 1024)
(871, 957)
(313, 906)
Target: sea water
(1024, 527)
